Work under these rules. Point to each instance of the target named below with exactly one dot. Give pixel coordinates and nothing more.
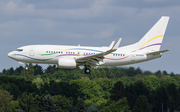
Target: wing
(97, 59)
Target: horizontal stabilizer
(158, 51)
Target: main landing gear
(87, 70)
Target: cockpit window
(19, 49)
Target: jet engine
(66, 63)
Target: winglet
(112, 44)
(115, 47)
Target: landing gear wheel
(26, 67)
(87, 70)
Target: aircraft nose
(10, 54)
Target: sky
(89, 23)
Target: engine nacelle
(66, 63)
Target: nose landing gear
(87, 70)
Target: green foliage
(89, 91)
(92, 108)
(48, 104)
(18, 110)
(134, 90)
(117, 91)
(13, 105)
(142, 105)
(80, 106)
(113, 106)
(104, 89)
(5, 100)
(38, 81)
(63, 103)
(27, 103)
(61, 76)
(17, 86)
(152, 81)
(38, 70)
(106, 85)
(160, 95)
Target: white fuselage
(50, 54)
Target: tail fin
(153, 38)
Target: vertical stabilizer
(152, 40)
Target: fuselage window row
(69, 52)
(118, 54)
(61, 52)
(54, 52)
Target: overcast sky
(89, 23)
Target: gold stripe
(150, 40)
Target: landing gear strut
(87, 70)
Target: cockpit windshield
(19, 49)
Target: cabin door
(31, 51)
(133, 57)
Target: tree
(80, 106)
(4, 71)
(38, 70)
(89, 91)
(158, 73)
(159, 97)
(54, 88)
(174, 96)
(39, 82)
(131, 71)
(138, 71)
(113, 106)
(165, 73)
(11, 71)
(51, 69)
(63, 103)
(117, 91)
(106, 85)
(13, 105)
(5, 99)
(92, 108)
(142, 105)
(27, 102)
(18, 70)
(30, 72)
(48, 104)
(151, 82)
(172, 74)
(13, 89)
(23, 74)
(134, 90)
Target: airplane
(146, 49)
